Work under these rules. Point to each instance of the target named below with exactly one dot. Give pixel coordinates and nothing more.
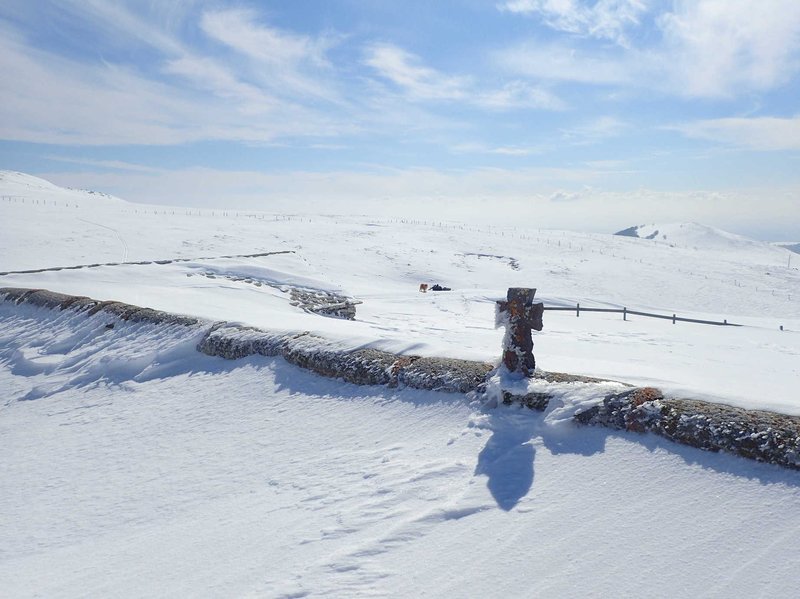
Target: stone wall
(753, 434)
(361, 367)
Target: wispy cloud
(286, 62)
(721, 48)
(208, 74)
(595, 130)
(54, 98)
(561, 62)
(519, 94)
(116, 165)
(605, 19)
(419, 82)
(122, 26)
(703, 48)
(758, 133)
(479, 148)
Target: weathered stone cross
(519, 315)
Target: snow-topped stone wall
(753, 434)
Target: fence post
(578, 311)
(673, 319)
(624, 313)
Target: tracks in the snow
(169, 261)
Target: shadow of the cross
(507, 459)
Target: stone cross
(519, 315)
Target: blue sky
(588, 115)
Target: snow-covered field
(139, 467)
(688, 269)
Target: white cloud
(605, 19)
(595, 130)
(564, 196)
(52, 99)
(418, 81)
(285, 62)
(423, 83)
(726, 47)
(117, 165)
(759, 133)
(696, 48)
(519, 94)
(240, 29)
(208, 74)
(479, 148)
(122, 25)
(559, 62)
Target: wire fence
(625, 312)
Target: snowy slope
(382, 262)
(138, 467)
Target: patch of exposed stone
(562, 377)
(535, 401)
(325, 303)
(513, 263)
(754, 434)
(315, 301)
(443, 374)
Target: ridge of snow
(18, 179)
(690, 234)
(15, 183)
(792, 246)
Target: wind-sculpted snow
(307, 350)
(50, 299)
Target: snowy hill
(696, 236)
(792, 246)
(18, 185)
(137, 466)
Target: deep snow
(135, 466)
